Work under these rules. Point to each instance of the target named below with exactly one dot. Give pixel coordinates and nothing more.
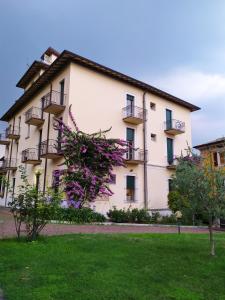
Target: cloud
(203, 89)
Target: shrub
(74, 215)
(129, 216)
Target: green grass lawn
(120, 267)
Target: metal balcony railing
(30, 155)
(50, 148)
(133, 114)
(34, 116)
(138, 156)
(12, 132)
(174, 126)
(9, 164)
(3, 139)
(54, 102)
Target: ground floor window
(170, 184)
(130, 188)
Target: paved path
(7, 229)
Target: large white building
(155, 122)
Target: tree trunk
(211, 239)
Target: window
(130, 105)
(130, 188)
(170, 151)
(152, 106)
(130, 139)
(28, 131)
(168, 119)
(13, 187)
(215, 159)
(222, 158)
(62, 86)
(170, 184)
(153, 137)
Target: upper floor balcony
(8, 164)
(54, 102)
(136, 157)
(31, 156)
(174, 127)
(3, 139)
(2, 167)
(50, 149)
(13, 132)
(34, 116)
(172, 163)
(133, 114)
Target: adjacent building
(213, 152)
(155, 122)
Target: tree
(89, 160)
(32, 208)
(203, 187)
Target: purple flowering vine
(89, 160)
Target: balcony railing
(9, 164)
(12, 132)
(133, 114)
(174, 127)
(50, 149)
(34, 116)
(136, 156)
(54, 102)
(3, 139)
(172, 162)
(31, 156)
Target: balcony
(174, 127)
(9, 164)
(172, 163)
(34, 116)
(50, 149)
(53, 102)
(3, 139)
(133, 114)
(136, 157)
(12, 132)
(2, 167)
(31, 156)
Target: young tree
(204, 189)
(90, 159)
(32, 208)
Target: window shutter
(131, 182)
(130, 134)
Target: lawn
(118, 266)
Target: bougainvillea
(89, 161)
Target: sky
(175, 45)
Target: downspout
(48, 129)
(145, 152)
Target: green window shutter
(168, 119)
(130, 134)
(170, 150)
(131, 182)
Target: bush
(75, 215)
(129, 216)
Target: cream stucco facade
(97, 101)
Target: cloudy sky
(176, 45)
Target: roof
(33, 69)
(67, 57)
(219, 141)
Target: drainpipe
(48, 129)
(145, 152)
